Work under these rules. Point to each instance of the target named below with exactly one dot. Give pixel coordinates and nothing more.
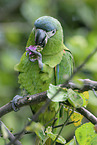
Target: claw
(14, 102)
(39, 58)
(34, 54)
(32, 59)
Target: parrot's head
(48, 34)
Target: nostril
(40, 42)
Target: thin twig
(68, 123)
(62, 127)
(10, 135)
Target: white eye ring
(51, 33)
(54, 31)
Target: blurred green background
(79, 22)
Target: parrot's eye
(54, 31)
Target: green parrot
(46, 61)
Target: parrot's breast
(31, 78)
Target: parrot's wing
(31, 41)
(65, 68)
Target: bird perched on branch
(46, 60)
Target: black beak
(40, 37)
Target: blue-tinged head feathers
(47, 23)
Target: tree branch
(27, 100)
(34, 99)
(88, 115)
(86, 85)
(40, 97)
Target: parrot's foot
(34, 55)
(14, 102)
(39, 58)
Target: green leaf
(74, 98)
(53, 136)
(85, 97)
(77, 118)
(38, 128)
(94, 140)
(72, 142)
(61, 96)
(86, 135)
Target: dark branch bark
(27, 100)
(87, 114)
(86, 85)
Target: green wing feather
(65, 68)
